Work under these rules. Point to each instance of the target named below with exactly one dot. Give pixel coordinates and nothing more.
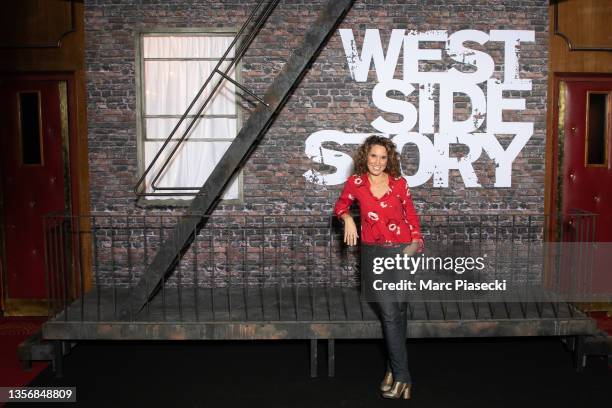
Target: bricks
(327, 98)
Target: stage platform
(280, 278)
(274, 313)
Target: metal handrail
(259, 22)
(266, 255)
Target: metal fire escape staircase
(260, 120)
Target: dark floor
(517, 372)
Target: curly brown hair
(360, 157)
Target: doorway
(581, 183)
(585, 172)
(34, 181)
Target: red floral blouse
(389, 219)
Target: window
(173, 67)
(30, 128)
(597, 127)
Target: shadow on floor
(508, 372)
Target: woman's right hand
(350, 231)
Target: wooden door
(587, 154)
(33, 169)
(584, 129)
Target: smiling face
(377, 160)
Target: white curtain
(170, 85)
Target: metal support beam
(239, 85)
(579, 355)
(58, 359)
(238, 152)
(313, 358)
(331, 356)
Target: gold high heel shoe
(398, 390)
(387, 382)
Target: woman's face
(377, 160)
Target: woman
(387, 218)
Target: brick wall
(327, 98)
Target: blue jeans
(394, 320)
(391, 313)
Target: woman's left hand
(411, 248)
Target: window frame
(160, 201)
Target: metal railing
(249, 34)
(251, 266)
